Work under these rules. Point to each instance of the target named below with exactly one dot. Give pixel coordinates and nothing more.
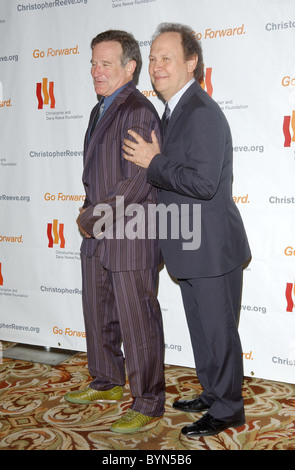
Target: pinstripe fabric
(123, 306)
(120, 274)
(108, 175)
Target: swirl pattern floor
(35, 416)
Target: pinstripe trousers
(123, 307)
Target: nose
(156, 65)
(95, 70)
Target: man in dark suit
(119, 262)
(194, 170)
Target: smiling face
(107, 71)
(168, 69)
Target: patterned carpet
(35, 416)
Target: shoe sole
(83, 402)
(80, 402)
(133, 430)
(213, 433)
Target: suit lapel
(184, 100)
(104, 123)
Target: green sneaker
(89, 395)
(132, 421)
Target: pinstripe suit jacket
(112, 183)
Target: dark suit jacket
(109, 178)
(195, 167)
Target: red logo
(288, 127)
(206, 84)
(55, 234)
(45, 93)
(290, 289)
(1, 277)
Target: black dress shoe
(192, 406)
(208, 426)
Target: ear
(130, 68)
(192, 63)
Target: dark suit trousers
(123, 306)
(212, 308)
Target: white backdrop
(46, 95)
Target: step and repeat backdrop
(46, 95)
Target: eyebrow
(166, 54)
(92, 61)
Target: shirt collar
(109, 99)
(174, 100)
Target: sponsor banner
(46, 95)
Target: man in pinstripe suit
(120, 269)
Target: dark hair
(191, 46)
(129, 45)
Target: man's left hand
(82, 231)
(141, 152)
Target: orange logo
(288, 127)
(45, 93)
(206, 83)
(55, 234)
(1, 277)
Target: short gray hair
(191, 46)
(130, 47)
